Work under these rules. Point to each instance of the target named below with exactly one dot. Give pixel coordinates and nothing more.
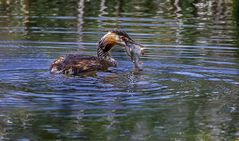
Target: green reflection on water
(188, 108)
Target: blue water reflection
(188, 89)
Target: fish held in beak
(135, 51)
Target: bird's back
(74, 64)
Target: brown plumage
(75, 64)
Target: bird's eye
(123, 38)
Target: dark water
(189, 89)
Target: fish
(135, 51)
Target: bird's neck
(104, 47)
(102, 54)
(105, 55)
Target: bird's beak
(128, 47)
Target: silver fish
(135, 51)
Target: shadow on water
(188, 89)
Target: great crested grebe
(74, 64)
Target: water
(187, 91)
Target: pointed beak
(128, 49)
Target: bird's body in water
(75, 64)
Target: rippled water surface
(188, 90)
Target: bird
(75, 64)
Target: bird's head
(121, 38)
(114, 37)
